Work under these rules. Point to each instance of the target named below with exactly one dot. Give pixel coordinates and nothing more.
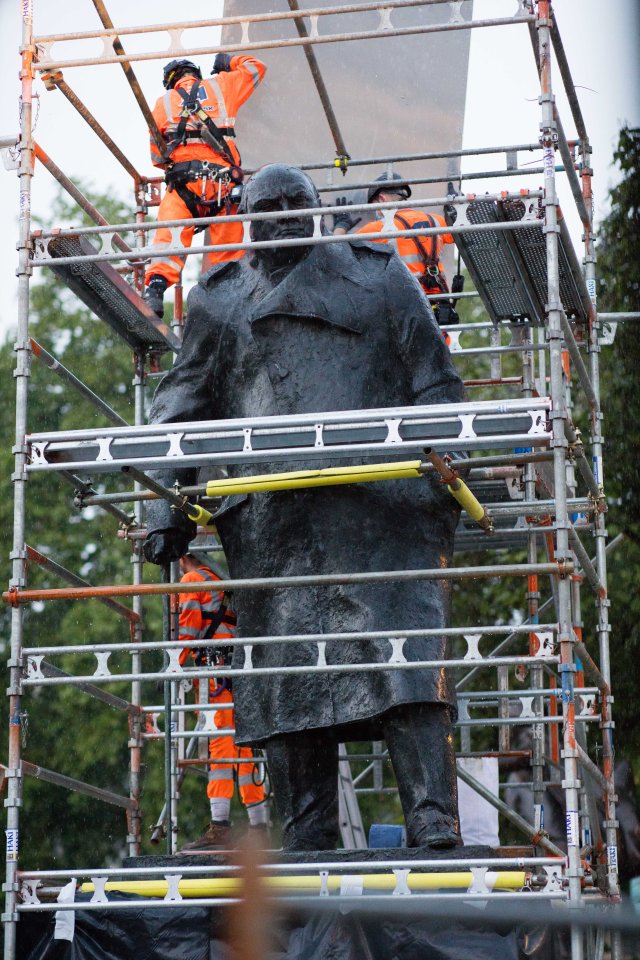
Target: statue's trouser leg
(421, 746)
(303, 770)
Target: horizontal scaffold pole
(35, 556)
(559, 568)
(383, 30)
(313, 883)
(389, 205)
(328, 477)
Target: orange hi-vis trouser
(221, 775)
(173, 207)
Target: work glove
(449, 209)
(165, 546)
(344, 219)
(222, 63)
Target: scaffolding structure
(538, 479)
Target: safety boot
(154, 294)
(217, 836)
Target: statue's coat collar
(328, 285)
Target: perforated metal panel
(109, 296)
(509, 269)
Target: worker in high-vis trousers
(196, 118)
(206, 616)
(421, 255)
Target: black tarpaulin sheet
(196, 933)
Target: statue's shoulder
(365, 249)
(219, 272)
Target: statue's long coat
(348, 328)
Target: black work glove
(449, 209)
(344, 219)
(164, 546)
(222, 63)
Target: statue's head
(279, 187)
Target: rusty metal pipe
(56, 79)
(101, 10)
(34, 556)
(77, 195)
(554, 569)
(338, 139)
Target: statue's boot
(303, 770)
(420, 740)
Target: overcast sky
(602, 42)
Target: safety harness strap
(430, 260)
(209, 132)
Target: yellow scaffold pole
(382, 882)
(460, 491)
(328, 477)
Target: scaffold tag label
(27, 10)
(612, 857)
(25, 205)
(12, 844)
(572, 828)
(548, 162)
(538, 817)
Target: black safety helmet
(175, 69)
(404, 190)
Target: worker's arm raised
(240, 76)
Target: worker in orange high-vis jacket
(421, 255)
(207, 616)
(196, 118)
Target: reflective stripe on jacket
(196, 610)
(412, 250)
(221, 96)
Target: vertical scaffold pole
(533, 603)
(567, 666)
(137, 561)
(600, 533)
(19, 478)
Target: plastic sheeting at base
(197, 933)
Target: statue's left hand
(164, 546)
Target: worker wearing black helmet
(196, 118)
(421, 255)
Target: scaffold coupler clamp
(538, 837)
(599, 502)
(51, 79)
(342, 162)
(12, 596)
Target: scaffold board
(509, 267)
(109, 296)
(394, 430)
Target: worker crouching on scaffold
(207, 616)
(196, 118)
(420, 255)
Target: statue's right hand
(164, 546)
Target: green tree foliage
(619, 290)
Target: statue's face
(276, 188)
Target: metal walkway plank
(107, 294)
(509, 269)
(445, 427)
